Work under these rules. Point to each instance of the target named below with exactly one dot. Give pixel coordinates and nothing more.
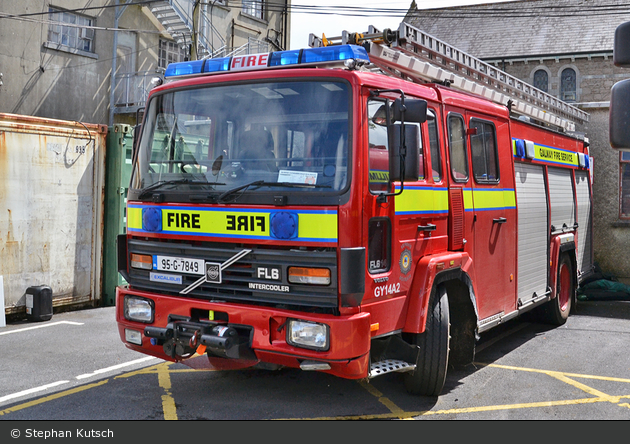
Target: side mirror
(621, 47)
(409, 110)
(619, 115)
(410, 155)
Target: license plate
(179, 264)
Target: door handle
(427, 227)
(500, 220)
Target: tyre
(557, 310)
(430, 373)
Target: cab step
(388, 366)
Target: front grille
(236, 279)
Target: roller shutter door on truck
(561, 198)
(533, 225)
(584, 234)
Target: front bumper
(238, 334)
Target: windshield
(250, 138)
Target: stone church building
(563, 47)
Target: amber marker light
(313, 276)
(142, 261)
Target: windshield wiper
(262, 183)
(162, 183)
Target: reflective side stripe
(422, 200)
(489, 199)
(550, 155)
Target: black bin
(39, 303)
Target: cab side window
(483, 148)
(434, 146)
(378, 146)
(457, 147)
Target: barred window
(170, 52)
(254, 8)
(541, 80)
(568, 85)
(69, 30)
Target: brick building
(563, 47)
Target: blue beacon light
(152, 219)
(284, 225)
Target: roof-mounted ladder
(413, 54)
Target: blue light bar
(285, 58)
(217, 65)
(310, 56)
(184, 68)
(334, 53)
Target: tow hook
(194, 339)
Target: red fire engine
(357, 207)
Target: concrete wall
(41, 81)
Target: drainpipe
(286, 20)
(118, 12)
(112, 81)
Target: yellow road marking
(573, 375)
(164, 371)
(52, 397)
(383, 400)
(168, 402)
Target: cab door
(494, 213)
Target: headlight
(138, 309)
(307, 334)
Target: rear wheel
(430, 373)
(557, 310)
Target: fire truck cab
(299, 209)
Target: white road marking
(32, 390)
(40, 326)
(115, 367)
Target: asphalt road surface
(75, 368)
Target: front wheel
(430, 373)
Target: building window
(568, 85)
(72, 35)
(541, 80)
(624, 189)
(254, 8)
(170, 52)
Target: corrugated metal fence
(51, 206)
